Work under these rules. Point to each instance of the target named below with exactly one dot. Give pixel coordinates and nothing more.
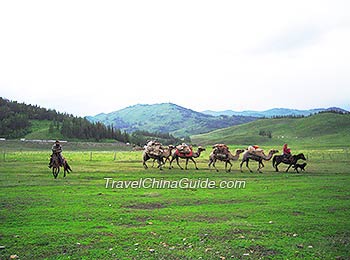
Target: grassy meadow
(276, 216)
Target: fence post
(90, 156)
(115, 156)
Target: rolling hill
(278, 112)
(167, 117)
(323, 129)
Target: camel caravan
(156, 151)
(220, 152)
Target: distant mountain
(324, 129)
(273, 112)
(167, 117)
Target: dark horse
(56, 166)
(277, 159)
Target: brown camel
(224, 158)
(176, 155)
(259, 158)
(146, 156)
(166, 154)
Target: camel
(259, 158)
(56, 166)
(166, 154)
(214, 157)
(277, 159)
(176, 155)
(146, 156)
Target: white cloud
(87, 57)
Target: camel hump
(188, 154)
(221, 149)
(184, 148)
(256, 150)
(154, 148)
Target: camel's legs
(160, 163)
(195, 164)
(177, 161)
(170, 162)
(210, 162)
(247, 165)
(153, 162)
(144, 163)
(214, 162)
(228, 162)
(261, 165)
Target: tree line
(15, 122)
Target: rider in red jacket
(286, 151)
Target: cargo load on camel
(256, 150)
(221, 151)
(184, 149)
(154, 148)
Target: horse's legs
(277, 163)
(289, 167)
(55, 171)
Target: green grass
(321, 130)
(277, 215)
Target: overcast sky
(88, 57)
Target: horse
(56, 166)
(277, 159)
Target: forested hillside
(18, 120)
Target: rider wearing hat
(57, 150)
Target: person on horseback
(286, 152)
(56, 151)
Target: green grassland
(276, 215)
(321, 130)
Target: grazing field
(273, 216)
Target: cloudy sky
(87, 57)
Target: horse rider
(56, 150)
(286, 152)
